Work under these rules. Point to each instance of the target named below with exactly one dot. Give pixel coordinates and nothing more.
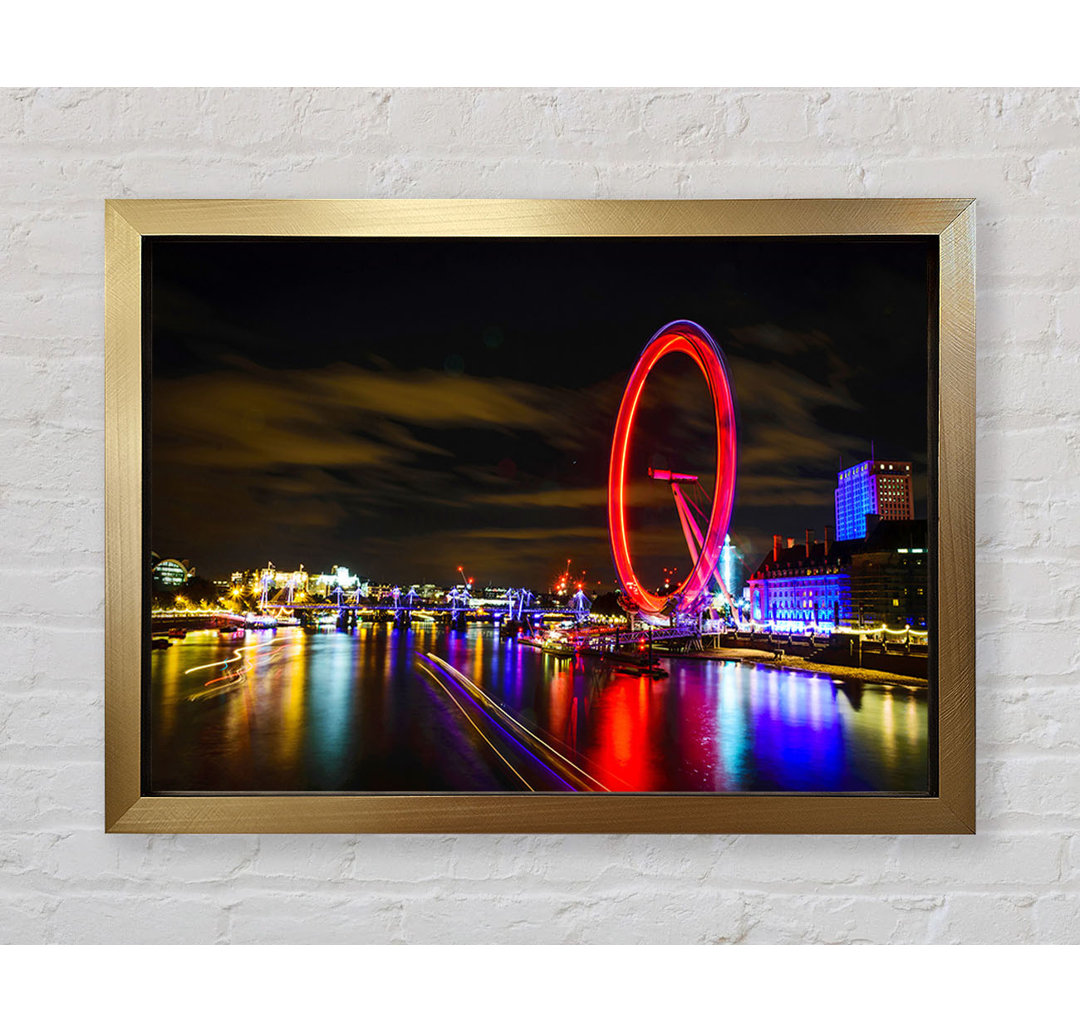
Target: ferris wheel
(705, 546)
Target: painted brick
(988, 859)
(1043, 718)
(836, 918)
(93, 916)
(986, 918)
(314, 918)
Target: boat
(260, 621)
(556, 645)
(160, 643)
(656, 672)
(565, 652)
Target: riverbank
(865, 674)
(772, 659)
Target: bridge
(457, 613)
(514, 608)
(349, 614)
(387, 608)
(164, 620)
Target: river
(290, 710)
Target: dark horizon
(407, 406)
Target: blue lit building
(876, 487)
(801, 587)
(820, 586)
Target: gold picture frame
(950, 810)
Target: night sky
(403, 407)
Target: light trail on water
(234, 677)
(473, 687)
(438, 681)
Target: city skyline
(475, 430)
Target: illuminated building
(172, 573)
(297, 578)
(246, 579)
(802, 586)
(889, 575)
(732, 567)
(339, 577)
(819, 586)
(876, 487)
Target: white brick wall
(63, 151)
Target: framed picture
(540, 516)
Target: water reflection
(290, 710)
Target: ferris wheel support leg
(691, 531)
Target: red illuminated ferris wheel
(685, 337)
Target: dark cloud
(341, 416)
